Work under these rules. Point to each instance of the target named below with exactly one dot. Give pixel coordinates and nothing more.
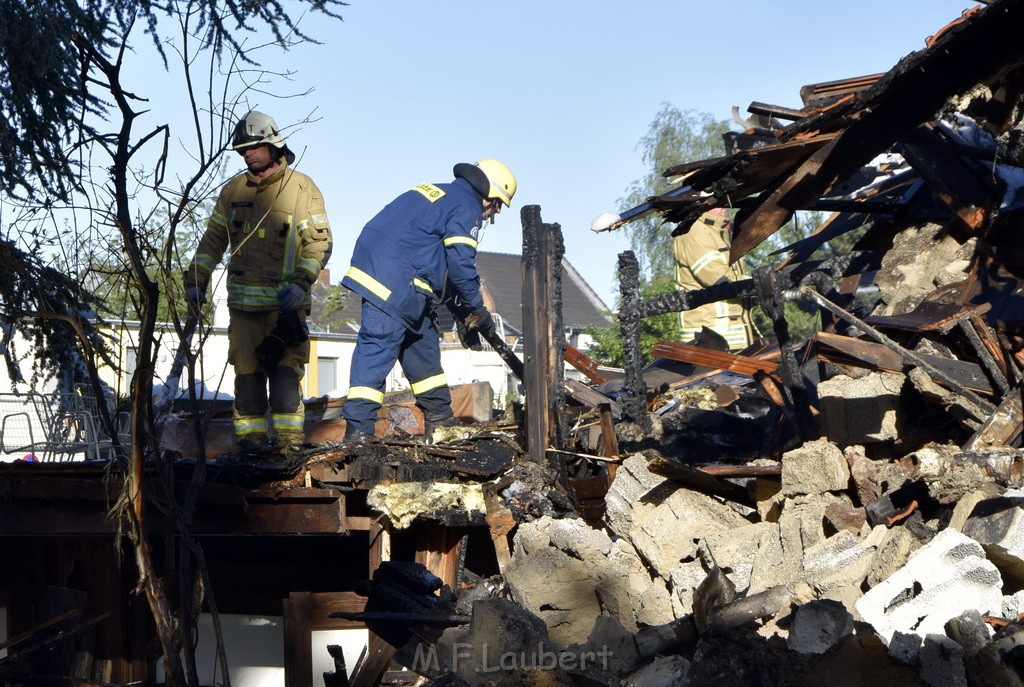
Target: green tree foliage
(48, 97)
(674, 137)
(107, 274)
(607, 347)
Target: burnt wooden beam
(775, 111)
(955, 181)
(854, 352)
(813, 95)
(978, 407)
(304, 612)
(290, 511)
(707, 357)
(584, 363)
(629, 322)
(1002, 428)
(777, 203)
(987, 349)
(543, 338)
(770, 296)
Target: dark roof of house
(501, 278)
(336, 309)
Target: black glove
(288, 331)
(270, 351)
(291, 329)
(469, 338)
(481, 321)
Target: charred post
(542, 351)
(629, 322)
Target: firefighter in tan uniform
(702, 259)
(272, 218)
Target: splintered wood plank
(1002, 428)
(707, 357)
(584, 363)
(845, 350)
(776, 208)
(500, 523)
(929, 316)
(440, 549)
(594, 399)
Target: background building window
(326, 375)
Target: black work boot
(353, 436)
(431, 423)
(251, 447)
(287, 444)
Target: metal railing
(56, 427)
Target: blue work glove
(291, 297)
(195, 296)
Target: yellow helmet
(490, 178)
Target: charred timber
(630, 314)
(818, 272)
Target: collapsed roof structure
(842, 508)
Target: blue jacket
(420, 248)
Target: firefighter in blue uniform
(419, 250)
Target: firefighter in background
(702, 259)
(272, 218)
(418, 251)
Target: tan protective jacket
(278, 233)
(702, 258)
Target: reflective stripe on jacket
(277, 232)
(702, 259)
(421, 244)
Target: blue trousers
(383, 340)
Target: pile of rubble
(846, 568)
(844, 509)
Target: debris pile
(845, 508)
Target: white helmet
(256, 129)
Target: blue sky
(559, 90)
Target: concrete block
(997, 663)
(872, 477)
(664, 670)
(735, 550)
(997, 523)
(860, 411)
(904, 647)
(842, 559)
(1013, 605)
(941, 580)
(969, 631)
(568, 573)
(662, 521)
(965, 506)
(941, 662)
(892, 554)
(817, 467)
(818, 626)
(501, 642)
